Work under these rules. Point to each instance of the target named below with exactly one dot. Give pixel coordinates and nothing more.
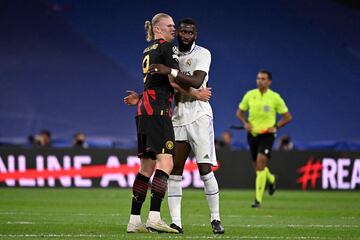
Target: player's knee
(261, 162)
(204, 168)
(260, 168)
(177, 170)
(147, 170)
(165, 163)
(178, 167)
(168, 167)
(260, 165)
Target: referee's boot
(216, 226)
(256, 204)
(272, 186)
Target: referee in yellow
(262, 105)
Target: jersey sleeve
(244, 104)
(171, 55)
(203, 61)
(280, 107)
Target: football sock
(211, 189)
(135, 219)
(140, 187)
(174, 198)
(260, 184)
(158, 189)
(269, 176)
(154, 215)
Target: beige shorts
(200, 135)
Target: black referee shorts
(155, 136)
(262, 143)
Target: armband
(174, 72)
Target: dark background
(235, 167)
(65, 64)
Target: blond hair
(150, 25)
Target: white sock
(211, 189)
(174, 198)
(154, 216)
(135, 219)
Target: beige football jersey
(188, 109)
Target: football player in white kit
(193, 125)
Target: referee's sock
(260, 185)
(211, 189)
(174, 198)
(269, 176)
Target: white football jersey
(188, 109)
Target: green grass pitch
(104, 213)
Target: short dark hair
(188, 21)
(266, 72)
(45, 132)
(78, 134)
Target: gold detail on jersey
(145, 65)
(152, 47)
(189, 62)
(169, 145)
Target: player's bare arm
(202, 94)
(194, 81)
(241, 115)
(285, 119)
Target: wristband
(174, 72)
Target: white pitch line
(322, 226)
(170, 236)
(19, 223)
(93, 214)
(19, 213)
(246, 216)
(236, 237)
(56, 235)
(61, 213)
(284, 225)
(205, 225)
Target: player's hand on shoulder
(132, 98)
(159, 69)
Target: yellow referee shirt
(262, 109)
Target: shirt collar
(259, 92)
(188, 52)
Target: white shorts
(200, 135)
